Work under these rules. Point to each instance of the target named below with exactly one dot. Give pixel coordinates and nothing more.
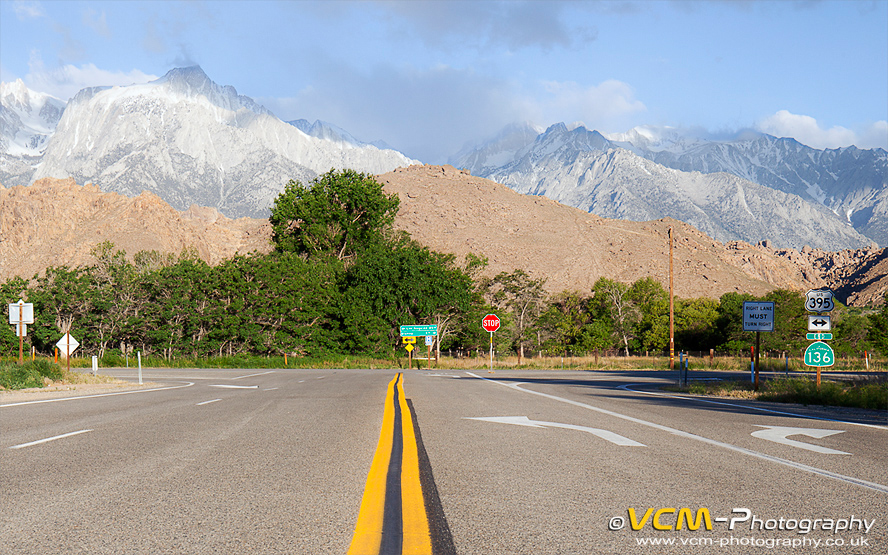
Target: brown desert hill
(56, 222)
(452, 211)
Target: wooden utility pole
(671, 308)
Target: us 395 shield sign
(819, 300)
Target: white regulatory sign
(21, 313)
(819, 323)
(758, 316)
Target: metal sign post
(819, 354)
(491, 323)
(758, 317)
(21, 313)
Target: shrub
(29, 374)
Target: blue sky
(427, 77)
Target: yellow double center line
(393, 517)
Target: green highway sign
(819, 336)
(819, 354)
(414, 331)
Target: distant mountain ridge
(189, 141)
(850, 182)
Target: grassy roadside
(42, 373)
(869, 393)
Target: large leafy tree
(523, 298)
(613, 299)
(339, 214)
(396, 283)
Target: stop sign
(490, 323)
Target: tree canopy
(337, 215)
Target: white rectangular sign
(819, 323)
(23, 310)
(758, 316)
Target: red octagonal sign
(490, 323)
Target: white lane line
(799, 466)
(221, 386)
(252, 375)
(271, 389)
(208, 402)
(39, 441)
(189, 384)
(761, 409)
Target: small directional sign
(819, 336)
(821, 323)
(408, 340)
(424, 329)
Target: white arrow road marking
(778, 434)
(236, 386)
(680, 433)
(524, 421)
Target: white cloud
(65, 81)
(96, 21)
(808, 131)
(28, 10)
(428, 114)
(605, 106)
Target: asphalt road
(254, 461)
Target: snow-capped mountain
(578, 169)
(27, 121)
(192, 141)
(850, 182)
(328, 131)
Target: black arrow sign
(819, 322)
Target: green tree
(523, 297)
(652, 300)
(398, 283)
(618, 307)
(878, 330)
(11, 291)
(338, 215)
(695, 323)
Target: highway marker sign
(819, 354)
(819, 300)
